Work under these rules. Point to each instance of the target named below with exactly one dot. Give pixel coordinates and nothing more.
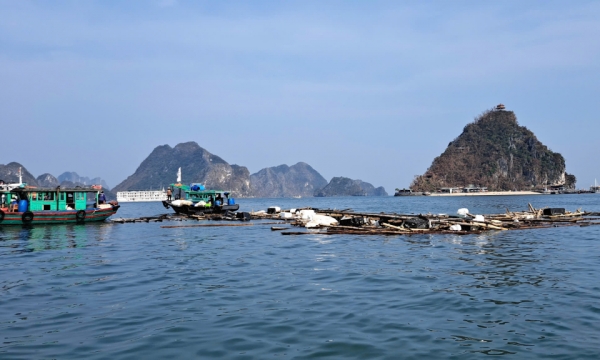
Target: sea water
(139, 291)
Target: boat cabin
(39, 199)
(196, 193)
(560, 187)
(404, 191)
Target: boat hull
(57, 217)
(192, 210)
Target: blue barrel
(195, 187)
(22, 205)
(218, 202)
(230, 201)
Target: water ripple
(139, 291)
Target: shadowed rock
(287, 181)
(342, 186)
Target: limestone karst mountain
(73, 177)
(9, 173)
(47, 180)
(160, 168)
(286, 181)
(495, 152)
(343, 186)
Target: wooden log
(203, 225)
(396, 227)
(277, 228)
(303, 233)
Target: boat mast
(179, 180)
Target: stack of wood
(407, 224)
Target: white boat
(595, 188)
(141, 195)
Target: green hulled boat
(195, 199)
(24, 205)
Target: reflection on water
(497, 261)
(52, 237)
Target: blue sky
(369, 90)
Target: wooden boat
(194, 199)
(409, 192)
(24, 205)
(403, 192)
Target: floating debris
(332, 221)
(355, 223)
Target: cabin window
(48, 196)
(46, 207)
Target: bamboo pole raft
(360, 223)
(364, 223)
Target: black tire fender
(80, 216)
(1, 215)
(27, 217)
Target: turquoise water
(133, 291)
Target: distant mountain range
(159, 170)
(198, 165)
(75, 178)
(9, 173)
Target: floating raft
(349, 222)
(356, 223)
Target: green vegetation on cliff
(496, 152)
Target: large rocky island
(159, 170)
(495, 152)
(342, 186)
(287, 181)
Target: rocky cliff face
(159, 170)
(9, 173)
(287, 181)
(342, 186)
(47, 180)
(496, 152)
